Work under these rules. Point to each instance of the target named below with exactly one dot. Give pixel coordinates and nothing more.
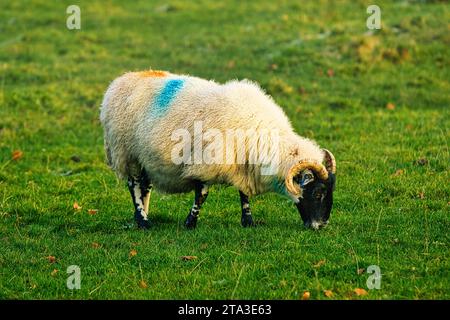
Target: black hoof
(247, 221)
(191, 221)
(141, 222)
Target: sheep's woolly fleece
(141, 110)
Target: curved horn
(313, 165)
(330, 161)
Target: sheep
(150, 117)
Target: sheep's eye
(306, 178)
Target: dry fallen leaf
(51, 259)
(422, 161)
(75, 158)
(92, 211)
(404, 54)
(330, 73)
(399, 172)
(360, 292)
(360, 271)
(319, 264)
(133, 253)
(231, 64)
(366, 48)
(187, 258)
(306, 295)
(54, 272)
(421, 195)
(143, 284)
(17, 154)
(328, 293)
(390, 106)
(76, 206)
(95, 245)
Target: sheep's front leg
(140, 189)
(201, 193)
(246, 220)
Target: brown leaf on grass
(396, 55)
(16, 155)
(143, 284)
(273, 66)
(421, 195)
(404, 54)
(366, 48)
(133, 253)
(92, 211)
(399, 172)
(54, 272)
(75, 158)
(277, 86)
(95, 245)
(390, 106)
(330, 73)
(360, 271)
(390, 54)
(306, 295)
(231, 64)
(76, 206)
(51, 259)
(360, 292)
(188, 258)
(320, 263)
(302, 90)
(421, 161)
(328, 293)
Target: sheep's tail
(117, 160)
(108, 154)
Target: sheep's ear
(305, 177)
(330, 161)
(332, 181)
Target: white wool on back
(139, 136)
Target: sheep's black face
(317, 199)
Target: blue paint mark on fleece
(165, 97)
(278, 186)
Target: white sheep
(169, 131)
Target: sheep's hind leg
(246, 220)
(140, 189)
(201, 193)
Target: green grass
(51, 85)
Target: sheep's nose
(315, 225)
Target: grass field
(379, 100)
